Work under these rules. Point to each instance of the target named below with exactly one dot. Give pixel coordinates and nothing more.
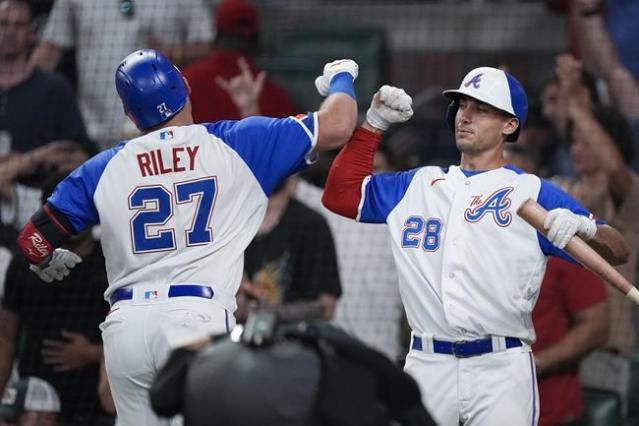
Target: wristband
(342, 83)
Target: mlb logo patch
(151, 295)
(168, 134)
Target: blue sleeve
(382, 193)
(552, 197)
(74, 195)
(272, 148)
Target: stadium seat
(633, 394)
(603, 408)
(297, 57)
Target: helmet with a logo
(494, 87)
(151, 88)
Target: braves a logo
(496, 204)
(475, 81)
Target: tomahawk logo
(496, 204)
(475, 81)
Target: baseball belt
(465, 348)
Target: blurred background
(578, 60)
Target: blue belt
(464, 348)
(174, 291)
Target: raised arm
(601, 57)
(620, 176)
(354, 163)
(337, 115)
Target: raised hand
(244, 89)
(389, 105)
(331, 69)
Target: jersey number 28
(420, 232)
(154, 205)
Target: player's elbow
(339, 204)
(337, 123)
(619, 253)
(335, 134)
(612, 245)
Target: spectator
(601, 149)
(291, 262)
(105, 32)
(370, 307)
(19, 201)
(238, 27)
(30, 402)
(37, 108)
(602, 58)
(52, 331)
(571, 319)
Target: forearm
(620, 177)
(352, 165)
(610, 244)
(586, 335)
(47, 230)
(337, 118)
(600, 57)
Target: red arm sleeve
(46, 230)
(342, 193)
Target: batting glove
(390, 105)
(562, 225)
(58, 266)
(331, 69)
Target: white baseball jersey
(180, 204)
(468, 265)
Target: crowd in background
(58, 107)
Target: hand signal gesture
(244, 89)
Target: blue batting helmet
(493, 87)
(151, 88)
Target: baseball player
(469, 267)
(177, 207)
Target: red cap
(237, 17)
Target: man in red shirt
(570, 319)
(237, 25)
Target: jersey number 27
(154, 206)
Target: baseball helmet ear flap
(451, 111)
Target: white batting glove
(562, 225)
(58, 266)
(390, 105)
(331, 69)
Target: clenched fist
(331, 69)
(390, 105)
